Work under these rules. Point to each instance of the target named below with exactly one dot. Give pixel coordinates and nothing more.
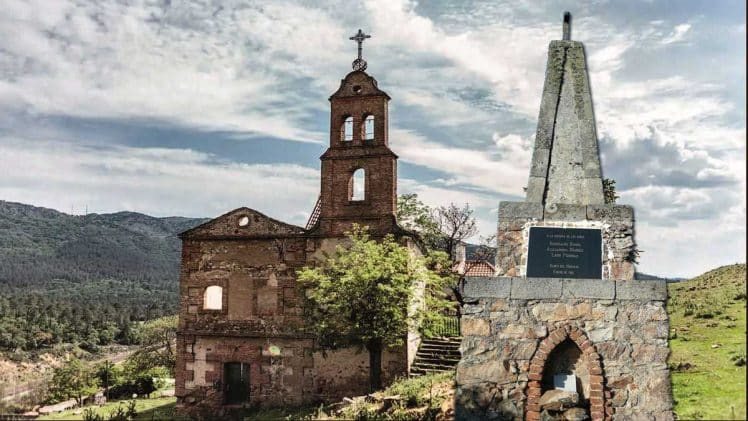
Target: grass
(416, 398)
(708, 343)
(148, 409)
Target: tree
(442, 228)
(455, 224)
(157, 341)
(414, 215)
(108, 375)
(364, 296)
(73, 379)
(609, 191)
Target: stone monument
(564, 331)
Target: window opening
(358, 188)
(213, 299)
(369, 128)
(348, 129)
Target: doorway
(236, 383)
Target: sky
(194, 108)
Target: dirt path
(17, 391)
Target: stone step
(438, 354)
(440, 346)
(441, 343)
(456, 340)
(416, 372)
(451, 363)
(447, 355)
(432, 366)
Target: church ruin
(240, 339)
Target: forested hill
(39, 244)
(85, 279)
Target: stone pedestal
(512, 327)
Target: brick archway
(537, 364)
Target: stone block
(565, 212)
(536, 288)
(591, 163)
(520, 210)
(494, 287)
(478, 327)
(603, 289)
(641, 290)
(535, 189)
(593, 190)
(618, 213)
(489, 371)
(540, 157)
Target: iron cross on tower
(359, 63)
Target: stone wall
(511, 325)
(261, 308)
(616, 223)
(296, 373)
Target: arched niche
(567, 350)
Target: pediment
(242, 223)
(358, 84)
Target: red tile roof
(475, 268)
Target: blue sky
(196, 108)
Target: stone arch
(538, 364)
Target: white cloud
(154, 181)
(679, 32)
(226, 70)
(501, 169)
(265, 68)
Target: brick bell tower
(359, 171)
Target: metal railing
(446, 327)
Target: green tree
(441, 228)
(609, 191)
(414, 215)
(108, 375)
(157, 339)
(366, 296)
(74, 380)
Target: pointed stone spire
(566, 162)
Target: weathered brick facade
(254, 259)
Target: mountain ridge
(39, 243)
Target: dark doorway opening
(236, 383)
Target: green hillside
(708, 342)
(67, 278)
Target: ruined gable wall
(261, 307)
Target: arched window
(213, 298)
(358, 185)
(369, 128)
(348, 129)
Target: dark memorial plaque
(564, 253)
